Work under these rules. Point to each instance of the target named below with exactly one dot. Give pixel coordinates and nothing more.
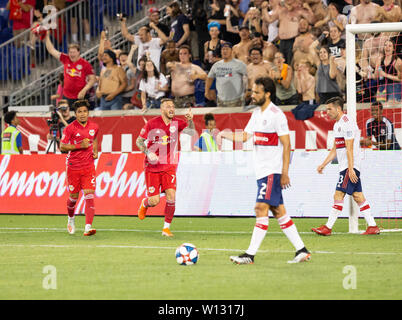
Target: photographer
(61, 118)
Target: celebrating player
(347, 149)
(80, 140)
(269, 128)
(161, 159)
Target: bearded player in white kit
(347, 149)
(269, 129)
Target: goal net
(373, 98)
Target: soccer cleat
(142, 211)
(88, 230)
(322, 230)
(166, 232)
(372, 230)
(243, 259)
(301, 256)
(71, 225)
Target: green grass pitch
(129, 259)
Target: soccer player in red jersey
(80, 141)
(161, 158)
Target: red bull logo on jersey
(73, 72)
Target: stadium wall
(118, 132)
(209, 184)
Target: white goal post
(351, 31)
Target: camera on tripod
(53, 123)
(54, 128)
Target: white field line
(32, 230)
(173, 248)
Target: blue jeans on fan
(115, 104)
(153, 103)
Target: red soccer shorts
(81, 179)
(157, 182)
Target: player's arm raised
(285, 180)
(49, 46)
(190, 129)
(331, 156)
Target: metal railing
(29, 75)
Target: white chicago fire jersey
(266, 128)
(346, 129)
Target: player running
(347, 149)
(161, 159)
(269, 128)
(80, 140)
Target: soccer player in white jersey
(269, 129)
(347, 149)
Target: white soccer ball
(187, 254)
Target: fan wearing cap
(231, 79)
(112, 82)
(180, 26)
(154, 16)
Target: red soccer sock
(71, 202)
(169, 210)
(89, 208)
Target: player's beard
(260, 102)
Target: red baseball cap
(153, 10)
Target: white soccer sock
(87, 37)
(166, 225)
(74, 37)
(260, 229)
(290, 230)
(366, 211)
(335, 212)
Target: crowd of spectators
(209, 52)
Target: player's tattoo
(190, 129)
(140, 142)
